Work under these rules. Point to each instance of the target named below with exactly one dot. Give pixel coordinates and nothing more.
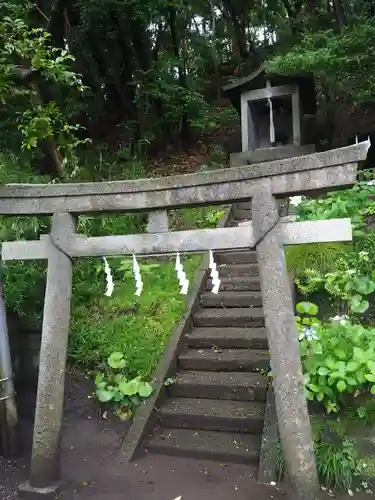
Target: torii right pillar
(291, 405)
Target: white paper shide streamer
(109, 278)
(137, 277)
(181, 275)
(272, 125)
(214, 274)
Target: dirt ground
(90, 469)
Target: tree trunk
(340, 14)
(172, 19)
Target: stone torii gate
(263, 183)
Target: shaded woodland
(144, 76)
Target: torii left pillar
(45, 458)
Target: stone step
(219, 446)
(237, 270)
(233, 317)
(233, 222)
(227, 338)
(242, 283)
(239, 214)
(247, 360)
(231, 299)
(243, 204)
(237, 257)
(243, 386)
(212, 415)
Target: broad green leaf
(340, 353)
(330, 362)
(323, 371)
(129, 388)
(307, 308)
(352, 381)
(116, 360)
(103, 395)
(145, 389)
(313, 388)
(341, 386)
(358, 305)
(352, 366)
(359, 354)
(364, 285)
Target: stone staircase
(215, 407)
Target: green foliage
(343, 60)
(338, 358)
(320, 256)
(200, 218)
(114, 386)
(348, 282)
(338, 464)
(352, 203)
(137, 326)
(27, 49)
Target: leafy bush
(343, 60)
(347, 283)
(113, 385)
(352, 203)
(338, 358)
(320, 256)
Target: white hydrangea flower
(308, 333)
(341, 319)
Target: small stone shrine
(274, 113)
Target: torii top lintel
(303, 174)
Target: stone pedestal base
(28, 492)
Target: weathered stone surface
(315, 172)
(28, 492)
(250, 316)
(241, 283)
(45, 459)
(349, 154)
(237, 270)
(243, 386)
(268, 460)
(212, 415)
(227, 338)
(223, 446)
(232, 299)
(293, 417)
(157, 222)
(198, 240)
(235, 257)
(270, 154)
(224, 360)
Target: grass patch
(320, 256)
(137, 326)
